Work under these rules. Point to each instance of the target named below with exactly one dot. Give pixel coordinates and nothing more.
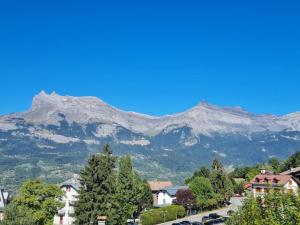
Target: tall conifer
(98, 189)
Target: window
(61, 220)
(164, 201)
(290, 182)
(258, 190)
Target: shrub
(160, 215)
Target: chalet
(4, 196)
(65, 215)
(156, 186)
(167, 195)
(263, 183)
(295, 172)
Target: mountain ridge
(204, 118)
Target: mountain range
(54, 138)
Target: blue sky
(155, 57)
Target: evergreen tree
(217, 165)
(97, 194)
(142, 194)
(202, 172)
(126, 190)
(292, 161)
(220, 181)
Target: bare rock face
(58, 133)
(203, 119)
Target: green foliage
(211, 188)
(126, 190)
(238, 186)
(36, 204)
(275, 209)
(160, 215)
(103, 192)
(142, 193)
(292, 161)
(204, 193)
(275, 165)
(217, 165)
(202, 172)
(221, 184)
(97, 195)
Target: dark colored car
(214, 216)
(176, 223)
(197, 223)
(205, 218)
(185, 222)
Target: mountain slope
(56, 135)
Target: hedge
(156, 216)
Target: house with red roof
(263, 183)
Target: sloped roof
(74, 182)
(159, 185)
(291, 171)
(173, 190)
(272, 179)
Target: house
(65, 215)
(295, 172)
(4, 197)
(156, 186)
(263, 183)
(167, 195)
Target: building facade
(167, 195)
(65, 215)
(264, 183)
(156, 187)
(4, 197)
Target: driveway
(235, 203)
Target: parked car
(185, 222)
(197, 223)
(213, 216)
(205, 219)
(176, 223)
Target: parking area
(235, 203)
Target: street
(235, 203)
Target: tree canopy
(35, 204)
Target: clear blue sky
(155, 57)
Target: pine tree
(97, 194)
(220, 181)
(126, 190)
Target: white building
(3, 202)
(65, 216)
(263, 183)
(167, 195)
